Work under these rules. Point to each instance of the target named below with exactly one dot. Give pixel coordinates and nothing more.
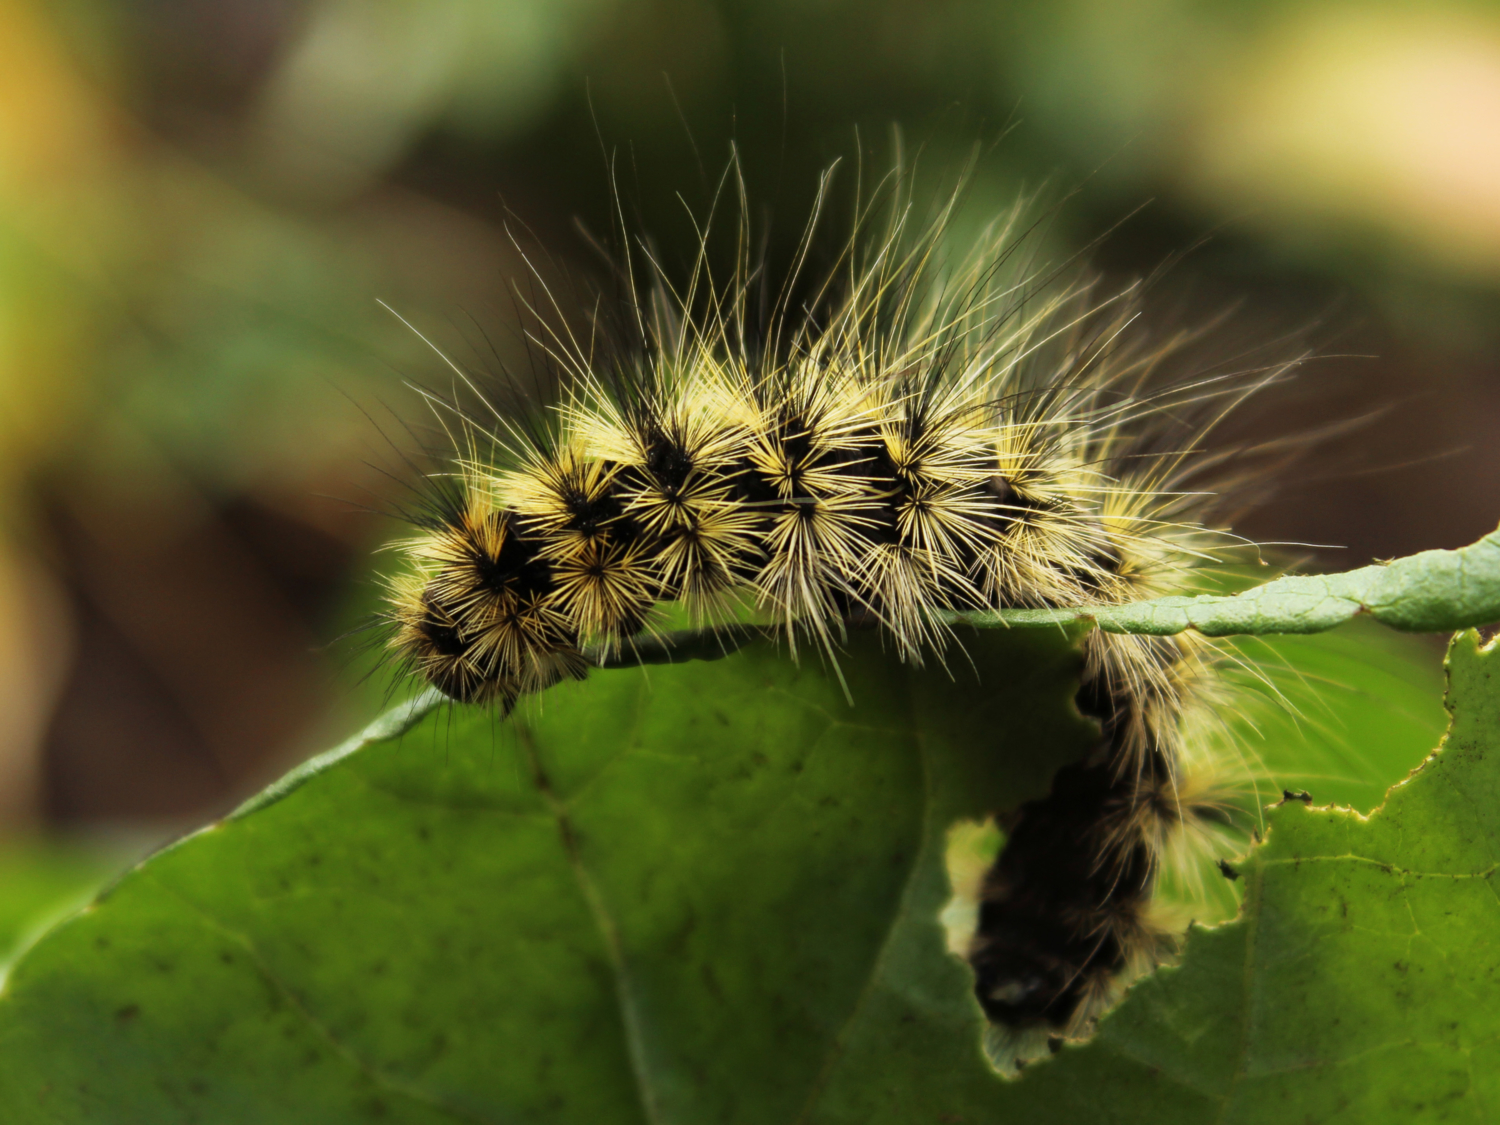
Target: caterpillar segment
(433, 646)
(1066, 914)
(931, 470)
(575, 507)
(946, 441)
(675, 456)
(807, 472)
(478, 617)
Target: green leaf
(1361, 984)
(1351, 711)
(41, 881)
(708, 892)
(699, 893)
(1430, 592)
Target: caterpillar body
(931, 434)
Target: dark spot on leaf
(1301, 795)
(128, 1013)
(711, 982)
(1228, 872)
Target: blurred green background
(202, 200)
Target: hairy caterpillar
(927, 434)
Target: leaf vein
(375, 1075)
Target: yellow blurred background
(202, 200)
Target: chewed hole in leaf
(972, 846)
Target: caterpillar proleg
(925, 432)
